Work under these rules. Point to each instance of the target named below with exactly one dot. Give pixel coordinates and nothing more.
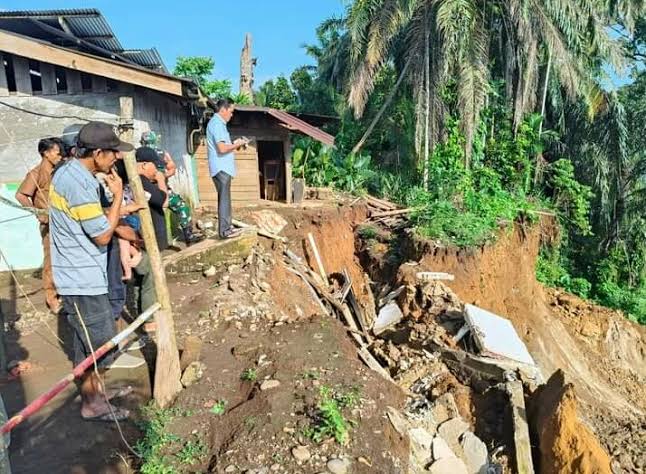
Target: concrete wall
(20, 132)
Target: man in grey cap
(80, 232)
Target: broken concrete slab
(430, 276)
(522, 442)
(198, 257)
(451, 431)
(449, 466)
(268, 220)
(474, 453)
(444, 408)
(495, 336)
(388, 317)
(441, 449)
(420, 445)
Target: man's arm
(229, 147)
(171, 168)
(27, 189)
(114, 183)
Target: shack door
(271, 164)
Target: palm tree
(468, 42)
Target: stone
(420, 445)
(230, 468)
(209, 272)
(388, 317)
(444, 408)
(451, 431)
(301, 453)
(441, 449)
(400, 424)
(338, 466)
(269, 384)
(449, 466)
(269, 221)
(193, 373)
(475, 453)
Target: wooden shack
(264, 168)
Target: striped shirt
(75, 218)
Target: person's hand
(114, 183)
(42, 218)
(240, 142)
(132, 208)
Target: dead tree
(247, 64)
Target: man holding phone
(222, 165)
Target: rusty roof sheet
(292, 123)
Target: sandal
(117, 414)
(119, 392)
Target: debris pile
(386, 213)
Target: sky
(216, 28)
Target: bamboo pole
(79, 370)
(167, 370)
(317, 257)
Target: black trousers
(222, 183)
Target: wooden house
(264, 167)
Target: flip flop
(120, 414)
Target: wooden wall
(245, 188)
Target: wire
(96, 371)
(14, 219)
(40, 114)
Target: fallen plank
(381, 203)
(264, 233)
(396, 212)
(312, 290)
(431, 276)
(372, 363)
(522, 442)
(317, 256)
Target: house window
(8, 67)
(34, 75)
(61, 79)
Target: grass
(249, 375)
(311, 375)
(192, 452)
(219, 407)
(328, 420)
(367, 232)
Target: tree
(464, 44)
(200, 68)
(277, 94)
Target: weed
(219, 407)
(328, 418)
(156, 437)
(192, 452)
(311, 375)
(249, 375)
(367, 232)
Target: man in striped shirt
(79, 234)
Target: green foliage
(571, 198)
(200, 68)
(249, 375)
(155, 440)
(367, 232)
(192, 452)
(219, 407)
(328, 418)
(277, 94)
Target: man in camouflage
(176, 202)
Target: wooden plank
(167, 370)
(21, 73)
(99, 84)
(38, 51)
(74, 84)
(48, 79)
(287, 153)
(4, 90)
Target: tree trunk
(383, 108)
(167, 373)
(427, 99)
(247, 64)
(538, 168)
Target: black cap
(95, 135)
(145, 154)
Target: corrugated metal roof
(86, 24)
(292, 123)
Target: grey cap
(70, 134)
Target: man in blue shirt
(222, 166)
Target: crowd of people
(94, 256)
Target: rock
(202, 225)
(338, 466)
(230, 468)
(449, 466)
(193, 373)
(269, 221)
(269, 384)
(420, 445)
(451, 431)
(209, 272)
(301, 453)
(444, 408)
(441, 449)
(475, 453)
(400, 424)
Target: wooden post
(167, 371)
(246, 69)
(287, 153)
